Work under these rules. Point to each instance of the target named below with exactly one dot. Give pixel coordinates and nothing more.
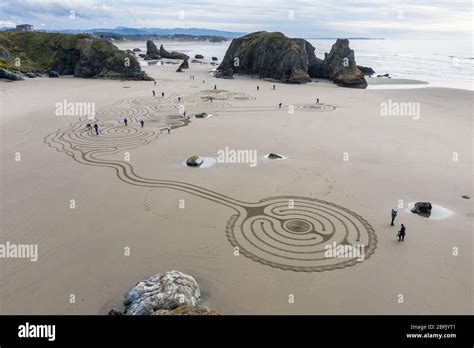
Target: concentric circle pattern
(290, 233)
(294, 233)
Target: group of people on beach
(401, 234)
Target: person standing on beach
(279, 106)
(88, 126)
(179, 99)
(184, 114)
(317, 100)
(162, 94)
(153, 93)
(401, 233)
(215, 87)
(125, 121)
(142, 122)
(203, 82)
(394, 215)
(274, 87)
(258, 88)
(169, 129)
(96, 127)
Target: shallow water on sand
(437, 212)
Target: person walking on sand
(317, 100)
(274, 87)
(215, 87)
(279, 106)
(153, 93)
(162, 94)
(394, 215)
(154, 83)
(169, 129)
(401, 233)
(142, 122)
(258, 88)
(88, 126)
(125, 121)
(179, 99)
(96, 127)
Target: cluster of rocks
(169, 293)
(18, 76)
(275, 56)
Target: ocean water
(441, 63)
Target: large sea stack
(275, 56)
(82, 55)
(151, 51)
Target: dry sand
(81, 250)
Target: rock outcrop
(275, 56)
(367, 71)
(339, 65)
(9, 75)
(98, 58)
(81, 55)
(199, 56)
(267, 55)
(151, 51)
(172, 55)
(165, 291)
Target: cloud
(312, 18)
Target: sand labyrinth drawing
(286, 232)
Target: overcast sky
(300, 18)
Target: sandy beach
(129, 221)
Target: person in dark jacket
(394, 215)
(401, 233)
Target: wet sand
(82, 250)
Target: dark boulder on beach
(367, 71)
(151, 51)
(10, 75)
(53, 73)
(199, 56)
(214, 58)
(384, 75)
(225, 74)
(194, 161)
(172, 55)
(137, 50)
(274, 156)
(422, 208)
(275, 56)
